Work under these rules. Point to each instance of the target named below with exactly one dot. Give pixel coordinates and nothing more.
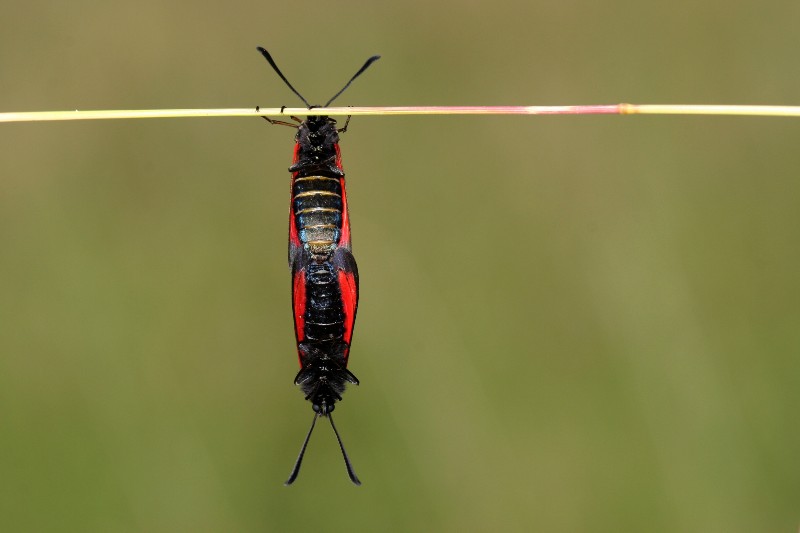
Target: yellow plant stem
(614, 109)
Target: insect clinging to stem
(324, 271)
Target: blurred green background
(566, 323)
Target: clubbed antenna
(275, 67)
(370, 61)
(271, 61)
(299, 462)
(350, 471)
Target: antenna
(296, 469)
(275, 67)
(271, 61)
(299, 462)
(350, 471)
(370, 61)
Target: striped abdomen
(318, 207)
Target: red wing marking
(344, 240)
(296, 154)
(348, 285)
(294, 237)
(299, 305)
(339, 158)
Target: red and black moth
(324, 271)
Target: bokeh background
(566, 323)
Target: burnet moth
(324, 272)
